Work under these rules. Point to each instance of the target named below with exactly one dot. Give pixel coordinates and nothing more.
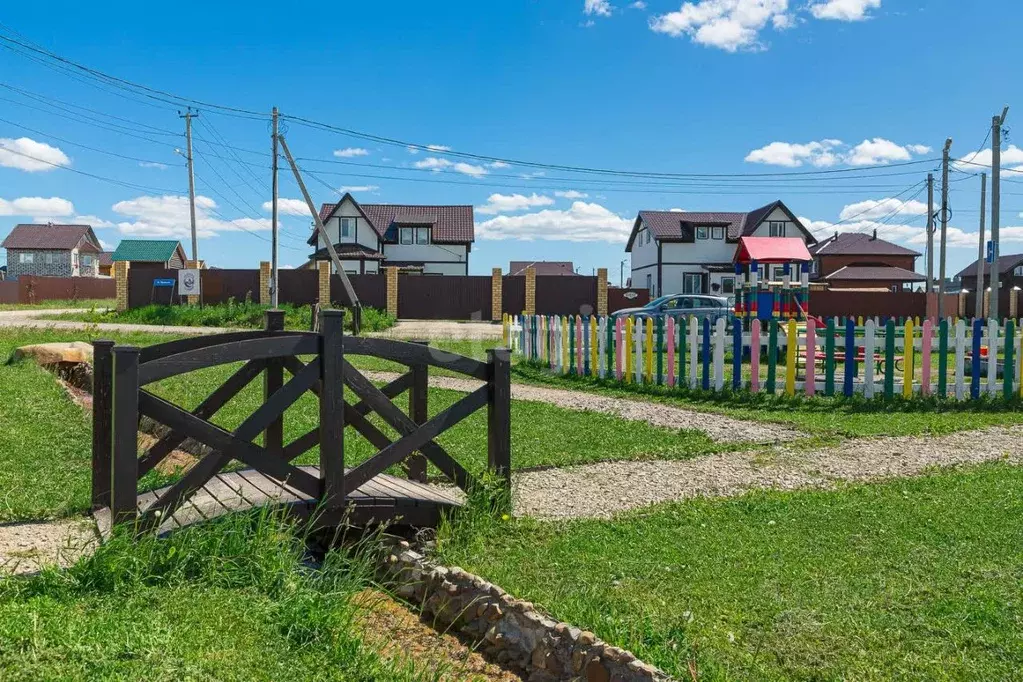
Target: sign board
(163, 283)
(630, 295)
(188, 282)
(990, 252)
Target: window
(49, 258)
(347, 227)
(718, 233)
(692, 283)
(777, 228)
(1017, 271)
(703, 233)
(777, 273)
(406, 235)
(813, 266)
(728, 285)
(650, 284)
(648, 236)
(422, 235)
(27, 258)
(86, 261)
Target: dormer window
(718, 233)
(777, 228)
(703, 233)
(422, 235)
(405, 235)
(347, 227)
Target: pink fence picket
(671, 352)
(754, 356)
(810, 382)
(618, 348)
(925, 358)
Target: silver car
(700, 306)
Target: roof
(772, 250)
(859, 244)
(50, 237)
(357, 251)
(146, 250)
(876, 273)
(106, 258)
(1005, 264)
(680, 226)
(451, 224)
(542, 267)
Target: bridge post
(332, 418)
(273, 379)
(499, 413)
(102, 387)
(418, 412)
(124, 460)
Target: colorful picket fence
(948, 359)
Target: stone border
(512, 632)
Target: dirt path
(30, 318)
(28, 547)
(718, 427)
(442, 329)
(601, 490)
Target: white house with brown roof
(689, 252)
(52, 251)
(432, 240)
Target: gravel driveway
(602, 490)
(718, 427)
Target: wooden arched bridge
(217, 484)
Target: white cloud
(975, 162)
(731, 25)
(167, 216)
(571, 194)
(583, 222)
(105, 245)
(412, 149)
(600, 8)
(289, 207)
(153, 164)
(844, 10)
(26, 154)
(438, 148)
(435, 164)
(510, 203)
(874, 209)
(36, 206)
(499, 164)
(91, 220)
(358, 188)
(534, 174)
(639, 4)
(831, 152)
(349, 152)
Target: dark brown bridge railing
(121, 399)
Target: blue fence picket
(736, 354)
(850, 357)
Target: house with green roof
(151, 253)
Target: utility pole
(273, 217)
(981, 251)
(944, 228)
(996, 206)
(930, 235)
(188, 116)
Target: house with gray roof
(692, 252)
(424, 239)
(52, 251)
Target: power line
(83, 146)
(145, 188)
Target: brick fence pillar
(194, 265)
(1013, 302)
(602, 291)
(530, 291)
(962, 303)
(986, 308)
(323, 279)
(121, 283)
(392, 291)
(264, 282)
(496, 294)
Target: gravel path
(27, 547)
(602, 490)
(30, 318)
(718, 427)
(442, 329)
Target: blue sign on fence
(990, 251)
(164, 283)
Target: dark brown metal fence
(618, 298)
(839, 303)
(371, 290)
(566, 295)
(426, 297)
(9, 292)
(513, 295)
(33, 289)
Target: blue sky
(716, 87)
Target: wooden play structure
(238, 474)
(757, 295)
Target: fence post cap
(105, 344)
(499, 354)
(126, 350)
(331, 313)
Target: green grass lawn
(245, 315)
(45, 445)
(228, 601)
(912, 579)
(837, 416)
(84, 304)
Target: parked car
(683, 306)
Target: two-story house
(856, 260)
(690, 252)
(52, 251)
(432, 240)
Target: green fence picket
(889, 360)
(829, 359)
(772, 356)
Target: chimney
(836, 235)
(874, 238)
